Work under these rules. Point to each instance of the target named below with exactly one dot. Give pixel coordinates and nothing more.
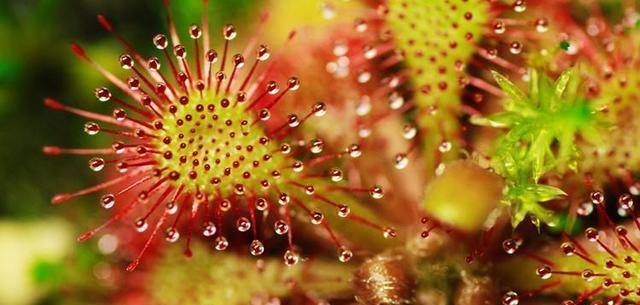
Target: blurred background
(40, 261)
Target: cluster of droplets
(348, 57)
(407, 39)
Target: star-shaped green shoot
(542, 127)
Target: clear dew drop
(625, 201)
(328, 11)
(510, 246)
(364, 132)
(281, 227)
(515, 47)
(309, 189)
(171, 207)
(499, 27)
(445, 146)
(440, 169)
(492, 53)
(597, 197)
(225, 205)
(297, 166)
(542, 25)
(263, 53)
(510, 298)
(160, 41)
(344, 254)
(141, 225)
(623, 212)
(519, 6)
(119, 114)
(96, 164)
(293, 83)
(588, 275)
(363, 107)
(568, 248)
(153, 63)
(171, 235)
(369, 52)
(229, 32)
(285, 149)
(401, 161)
(284, 199)
(340, 49)
(344, 211)
(91, 128)
(293, 121)
(544, 272)
(319, 109)
(389, 233)
(592, 234)
(243, 224)
(364, 77)
(316, 146)
(103, 94)
(107, 201)
(585, 209)
(409, 131)
(126, 61)
(376, 192)
(354, 151)
(118, 147)
(395, 101)
(262, 204)
(209, 229)
(360, 25)
(291, 258)
(194, 31)
(220, 243)
(336, 174)
(256, 247)
(634, 189)
(316, 218)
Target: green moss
(541, 130)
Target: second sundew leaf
(437, 38)
(542, 127)
(597, 267)
(234, 280)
